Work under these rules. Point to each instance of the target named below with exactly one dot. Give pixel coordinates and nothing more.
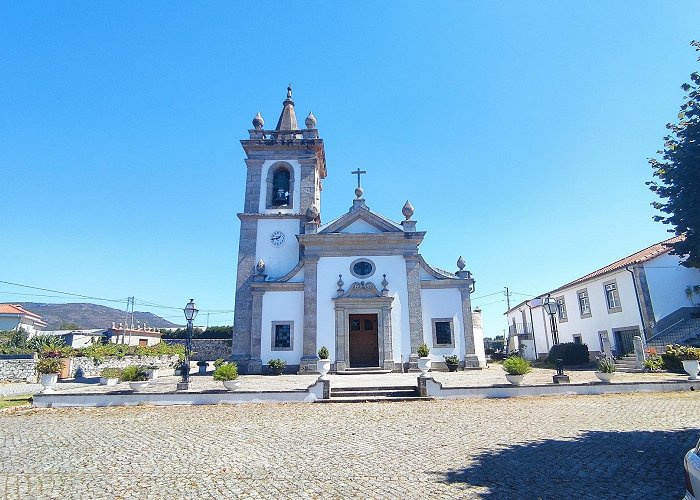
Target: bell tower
(285, 167)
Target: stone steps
(370, 394)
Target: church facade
(356, 284)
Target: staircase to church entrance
(374, 394)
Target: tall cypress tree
(678, 174)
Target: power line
(62, 292)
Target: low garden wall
(206, 349)
(17, 368)
(87, 367)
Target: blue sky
(520, 132)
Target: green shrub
(276, 363)
(423, 351)
(515, 365)
(98, 352)
(40, 343)
(676, 353)
(570, 352)
(654, 364)
(134, 373)
(219, 362)
(451, 360)
(111, 373)
(227, 371)
(606, 364)
(323, 353)
(48, 365)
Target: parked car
(692, 473)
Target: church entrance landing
(364, 343)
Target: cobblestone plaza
(612, 446)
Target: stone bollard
(638, 352)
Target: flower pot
(323, 366)
(48, 380)
(515, 379)
(424, 366)
(277, 370)
(452, 368)
(202, 369)
(152, 373)
(232, 385)
(604, 377)
(691, 366)
(65, 368)
(139, 386)
(109, 382)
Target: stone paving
(610, 446)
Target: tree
(678, 174)
(68, 325)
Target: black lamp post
(190, 313)
(551, 308)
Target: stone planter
(152, 373)
(452, 368)
(515, 379)
(424, 366)
(48, 380)
(232, 385)
(604, 377)
(691, 367)
(139, 386)
(109, 382)
(202, 369)
(323, 366)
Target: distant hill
(90, 315)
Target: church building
(355, 284)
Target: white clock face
(277, 238)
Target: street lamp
(551, 308)
(190, 313)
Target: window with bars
(443, 332)
(282, 335)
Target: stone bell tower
(285, 167)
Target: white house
(356, 284)
(14, 317)
(118, 334)
(647, 293)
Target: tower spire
(288, 118)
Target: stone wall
(206, 349)
(17, 368)
(89, 368)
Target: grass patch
(10, 401)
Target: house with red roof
(15, 317)
(647, 294)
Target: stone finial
(312, 213)
(461, 263)
(258, 121)
(340, 285)
(407, 210)
(260, 267)
(385, 284)
(359, 192)
(310, 120)
(289, 91)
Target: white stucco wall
(443, 303)
(278, 260)
(282, 306)
(667, 281)
(9, 323)
(395, 269)
(296, 192)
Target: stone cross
(358, 172)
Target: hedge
(571, 353)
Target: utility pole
(129, 302)
(506, 339)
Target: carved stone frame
(270, 176)
(344, 307)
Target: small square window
(443, 332)
(577, 339)
(282, 336)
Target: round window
(362, 268)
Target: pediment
(361, 221)
(362, 290)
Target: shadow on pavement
(597, 464)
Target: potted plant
(110, 376)
(152, 372)
(218, 362)
(277, 366)
(516, 368)
(323, 365)
(606, 369)
(424, 359)
(202, 367)
(452, 362)
(48, 369)
(137, 376)
(228, 374)
(690, 357)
